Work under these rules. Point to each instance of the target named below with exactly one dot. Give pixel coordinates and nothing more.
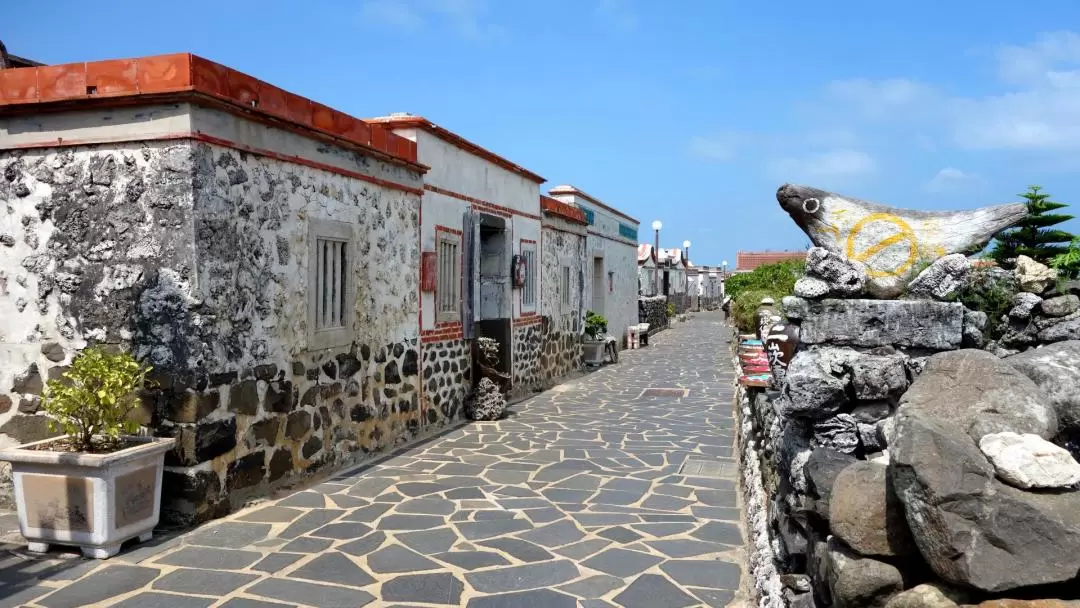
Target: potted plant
(595, 338)
(96, 486)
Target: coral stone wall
(563, 248)
(195, 257)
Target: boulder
(1029, 461)
(844, 277)
(902, 323)
(928, 595)
(821, 470)
(811, 288)
(869, 438)
(972, 529)
(793, 307)
(840, 433)
(1055, 369)
(1066, 330)
(877, 377)
(1060, 306)
(1023, 304)
(981, 394)
(816, 384)
(859, 582)
(974, 327)
(865, 513)
(942, 279)
(870, 413)
(1032, 276)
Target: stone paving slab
(591, 494)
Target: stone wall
(899, 463)
(654, 312)
(194, 256)
(528, 374)
(447, 378)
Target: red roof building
(745, 261)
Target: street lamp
(656, 226)
(686, 246)
(686, 262)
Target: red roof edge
(574, 190)
(563, 210)
(117, 82)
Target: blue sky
(691, 111)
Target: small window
(448, 289)
(611, 281)
(528, 292)
(331, 284)
(564, 286)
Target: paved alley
(616, 489)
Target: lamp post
(723, 280)
(656, 226)
(686, 272)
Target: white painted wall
(464, 173)
(619, 256)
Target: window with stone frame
(331, 284)
(448, 286)
(528, 292)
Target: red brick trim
(185, 76)
(573, 190)
(564, 210)
(480, 204)
(442, 331)
(441, 228)
(529, 318)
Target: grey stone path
(593, 494)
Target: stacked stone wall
(653, 310)
(528, 345)
(447, 378)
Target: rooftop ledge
(158, 78)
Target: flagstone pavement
(595, 493)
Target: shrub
(743, 307)
(779, 277)
(989, 290)
(595, 325)
(670, 310)
(1032, 236)
(1068, 263)
(94, 398)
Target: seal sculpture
(894, 244)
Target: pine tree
(1032, 236)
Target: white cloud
(397, 13)
(951, 179)
(835, 164)
(617, 14)
(467, 18)
(720, 147)
(1039, 109)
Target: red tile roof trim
(749, 260)
(574, 190)
(563, 210)
(419, 122)
(146, 79)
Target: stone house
(480, 218)
(611, 279)
(673, 278)
(259, 249)
(563, 242)
(646, 259)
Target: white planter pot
(94, 501)
(593, 352)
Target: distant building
(646, 259)
(746, 261)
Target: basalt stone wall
(528, 373)
(447, 378)
(194, 257)
(561, 355)
(653, 310)
(878, 472)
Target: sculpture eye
(811, 205)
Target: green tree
(1033, 236)
(1068, 263)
